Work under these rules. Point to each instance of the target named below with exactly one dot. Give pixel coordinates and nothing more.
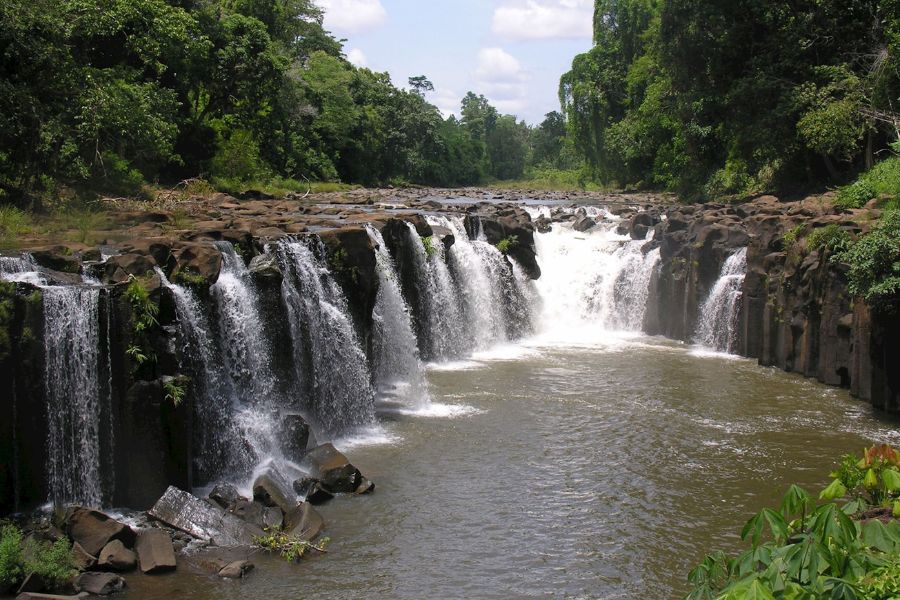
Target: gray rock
(251, 512)
(311, 489)
(584, 224)
(273, 518)
(116, 557)
(202, 520)
(304, 522)
(155, 551)
(83, 560)
(272, 489)
(295, 436)
(236, 570)
(225, 495)
(265, 266)
(333, 469)
(101, 584)
(93, 530)
(365, 487)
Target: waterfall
(216, 434)
(397, 369)
(73, 390)
(245, 350)
(21, 269)
(336, 376)
(718, 318)
(597, 279)
(441, 326)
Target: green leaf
(891, 480)
(871, 480)
(835, 490)
(897, 509)
(751, 589)
(876, 535)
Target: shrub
(855, 195)
(875, 264)
(11, 562)
(53, 562)
(507, 243)
(792, 235)
(882, 179)
(830, 237)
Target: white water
(324, 339)
(398, 372)
(73, 391)
(21, 269)
(717, 322)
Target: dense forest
(108, 94)
(739, 97)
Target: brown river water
(562, 470)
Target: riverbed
(561, 469)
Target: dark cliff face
(509, 223)
(796, 312)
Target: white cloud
(448, 101)
(353, 16)
(500, 77)
(544, 19)
(357, 57)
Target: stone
(294, 437)
(225, 495)
(250, 511)
(333, 469)
(304, 522)
(155, 551)
(32, 583)
(265, 266)
(584, 224)
(100, 584)
(272, 489)
(311, 489)
(202, 520)
(83, 560)
(116, 557)
(198, 258)
(273, 518)
(236, 570)
(365, 487)
(40, 596)
(93, 530)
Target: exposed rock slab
(202, 520)
(155, 551)
(93, 530)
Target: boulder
(155, 551)
(304, 523)
(272, 489)
(200, 259)
(100, 584)
(251, 512)
(83, 560)
(93, 530)
(116, 269)
(58, 258)
(116, 557)
(225, 495)
(583, 224)
(32, 583)
(273, 518)
(333, 469)
(365, 487)
(311, 489)
(295, 436)
(265, 266)
(236, 570)
(202, 520)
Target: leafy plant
(11, 562)
(792, 235)
(507, 243)
(855, 195)
(872, 480)
(831, 237)
(143, 317)
(190, 279)
(290, 548)
(428, 244)
(176, 390)
(53, 562)
(875, 263)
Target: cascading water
(718, 319)
(336, 376)
(598, 279)
(21, 269)
(244, 346)
(442, 329)
(397, 369)
(216, 453)
(73, 391)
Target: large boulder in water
(202, 520)
(294, 436)
(93, 530)
(333, 469)
(116, 557)
(498, 222)
(272, 489)
(155, 551)
(195, 259)
(304, 523)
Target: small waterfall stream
(398, 371)
(73, 392)
(336, 378)
(718, 319)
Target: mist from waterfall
(717, 322)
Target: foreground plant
(848, 551)
(290, 548)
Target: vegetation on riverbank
(847, 548)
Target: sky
(512, 51)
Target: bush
(53, 562)
(830, 237)
(11, 562)
(855, 195)
(875, 264)
(881, 180)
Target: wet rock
(584, 224)
(303, 522)
(100, 584)
(58, 258)
(365, 487)
(198, 259)
(272, 489)
(40, 596)
(116, 557)
(202, 520)
(236, 570)
(93, 530)
(273, 518)
(225, 495)
(311, 489)
(295, 436)
(155, 551)
(117, 268)
(251, 512)
(333, 469)
(265, 266)
(543, 225)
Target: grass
(551, 180)
(881, 180)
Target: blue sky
(512, 51)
